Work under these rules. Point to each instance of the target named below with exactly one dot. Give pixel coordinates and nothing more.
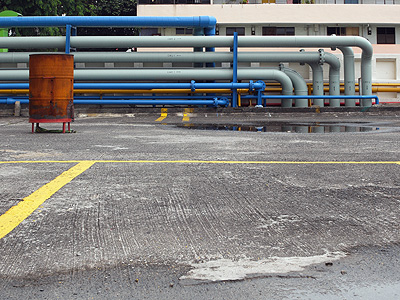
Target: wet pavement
(177, 204)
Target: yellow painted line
(164, 114)
(186, 113)
(202, 162)
(246, 162)
(16, 214)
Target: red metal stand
(38, 121)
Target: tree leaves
(71, 8)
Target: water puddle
(287, 127)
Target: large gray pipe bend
(204, 41)
(299, 84)
(324, 41)
(314, 59)
(349, 74)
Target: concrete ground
(202, 204)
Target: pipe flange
(215, 102)
(262, 87)
(251, 85)
(226, 100)
(302, 51)
(192, 85)
(321, 56)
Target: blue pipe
(210, 31)
(68, 39)
(313, 97)
(109, 21)
(14, 86)
(235, 67)
(154, 97)
(212, 102)
(258, 85)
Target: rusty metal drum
(51, 84)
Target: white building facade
(376, 20)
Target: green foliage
(71, 8)
(110, 8)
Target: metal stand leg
(69, 126)
(33, 127)
(63, 127)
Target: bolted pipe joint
(221, 102)
(192, 85)
(321, 56)
(251, 85)
(302, 51)
(260, 86)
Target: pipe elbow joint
(207, 21)
(365, 45)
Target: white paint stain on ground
(226, 269)
(112, 147)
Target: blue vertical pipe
(198, 32)
(235, 67)
(259, 99)
(210, 31)
(68, 39)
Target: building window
(350, 1)
(386, 35)
(350, 31)
(149, 31)
(184, 31)
(278, 31)
(231, 30)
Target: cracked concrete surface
(136, 228)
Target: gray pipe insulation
(314, 59)
(164, 74)
(349, 74)
(300, 87)
(209, 41)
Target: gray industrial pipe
(164, 74)
(208, 41)
(318, 82)
(201, 57)
(349, 74)
(323, 41)
(218, 41)
(299, 84)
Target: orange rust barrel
(51, 84)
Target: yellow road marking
(186, 113)
(201, 162)
(164, 114)
(16, 214)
